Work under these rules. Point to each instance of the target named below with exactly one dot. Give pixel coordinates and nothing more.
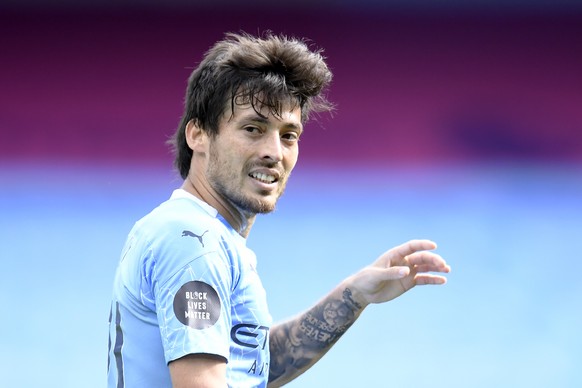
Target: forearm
(299, 343)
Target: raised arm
(299, 343)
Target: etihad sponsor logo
(250, 335)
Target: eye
(253, 130)
(290, 136)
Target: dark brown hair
(263, 71)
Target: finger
(393, 273)
(430, 268)
(413, 246)
(426, 258)
(424, 279)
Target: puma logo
(188, 233)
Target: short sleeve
(192, 286)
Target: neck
(239, 220)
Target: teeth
(263, 177)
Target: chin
(256, 206)
(266, 207)
(265, 203)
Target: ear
(196, 138)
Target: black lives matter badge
(197, 305)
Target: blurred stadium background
(458, 121)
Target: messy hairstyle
(264, 72)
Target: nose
(272, 149)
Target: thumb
(395, 273)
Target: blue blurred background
(459, 122)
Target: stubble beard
(221, 177)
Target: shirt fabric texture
(186, 283)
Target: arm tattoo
(297, 344)
(349, 300)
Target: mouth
(264, 178)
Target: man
(188, 306)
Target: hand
(397, 271)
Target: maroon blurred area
(108, 85)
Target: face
(251, 157)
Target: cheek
(291, 158)
(224, 155)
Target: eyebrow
(256, 117)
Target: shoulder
(176, 232)
(176, 219)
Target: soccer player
(188, 307)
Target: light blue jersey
(186, 284)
